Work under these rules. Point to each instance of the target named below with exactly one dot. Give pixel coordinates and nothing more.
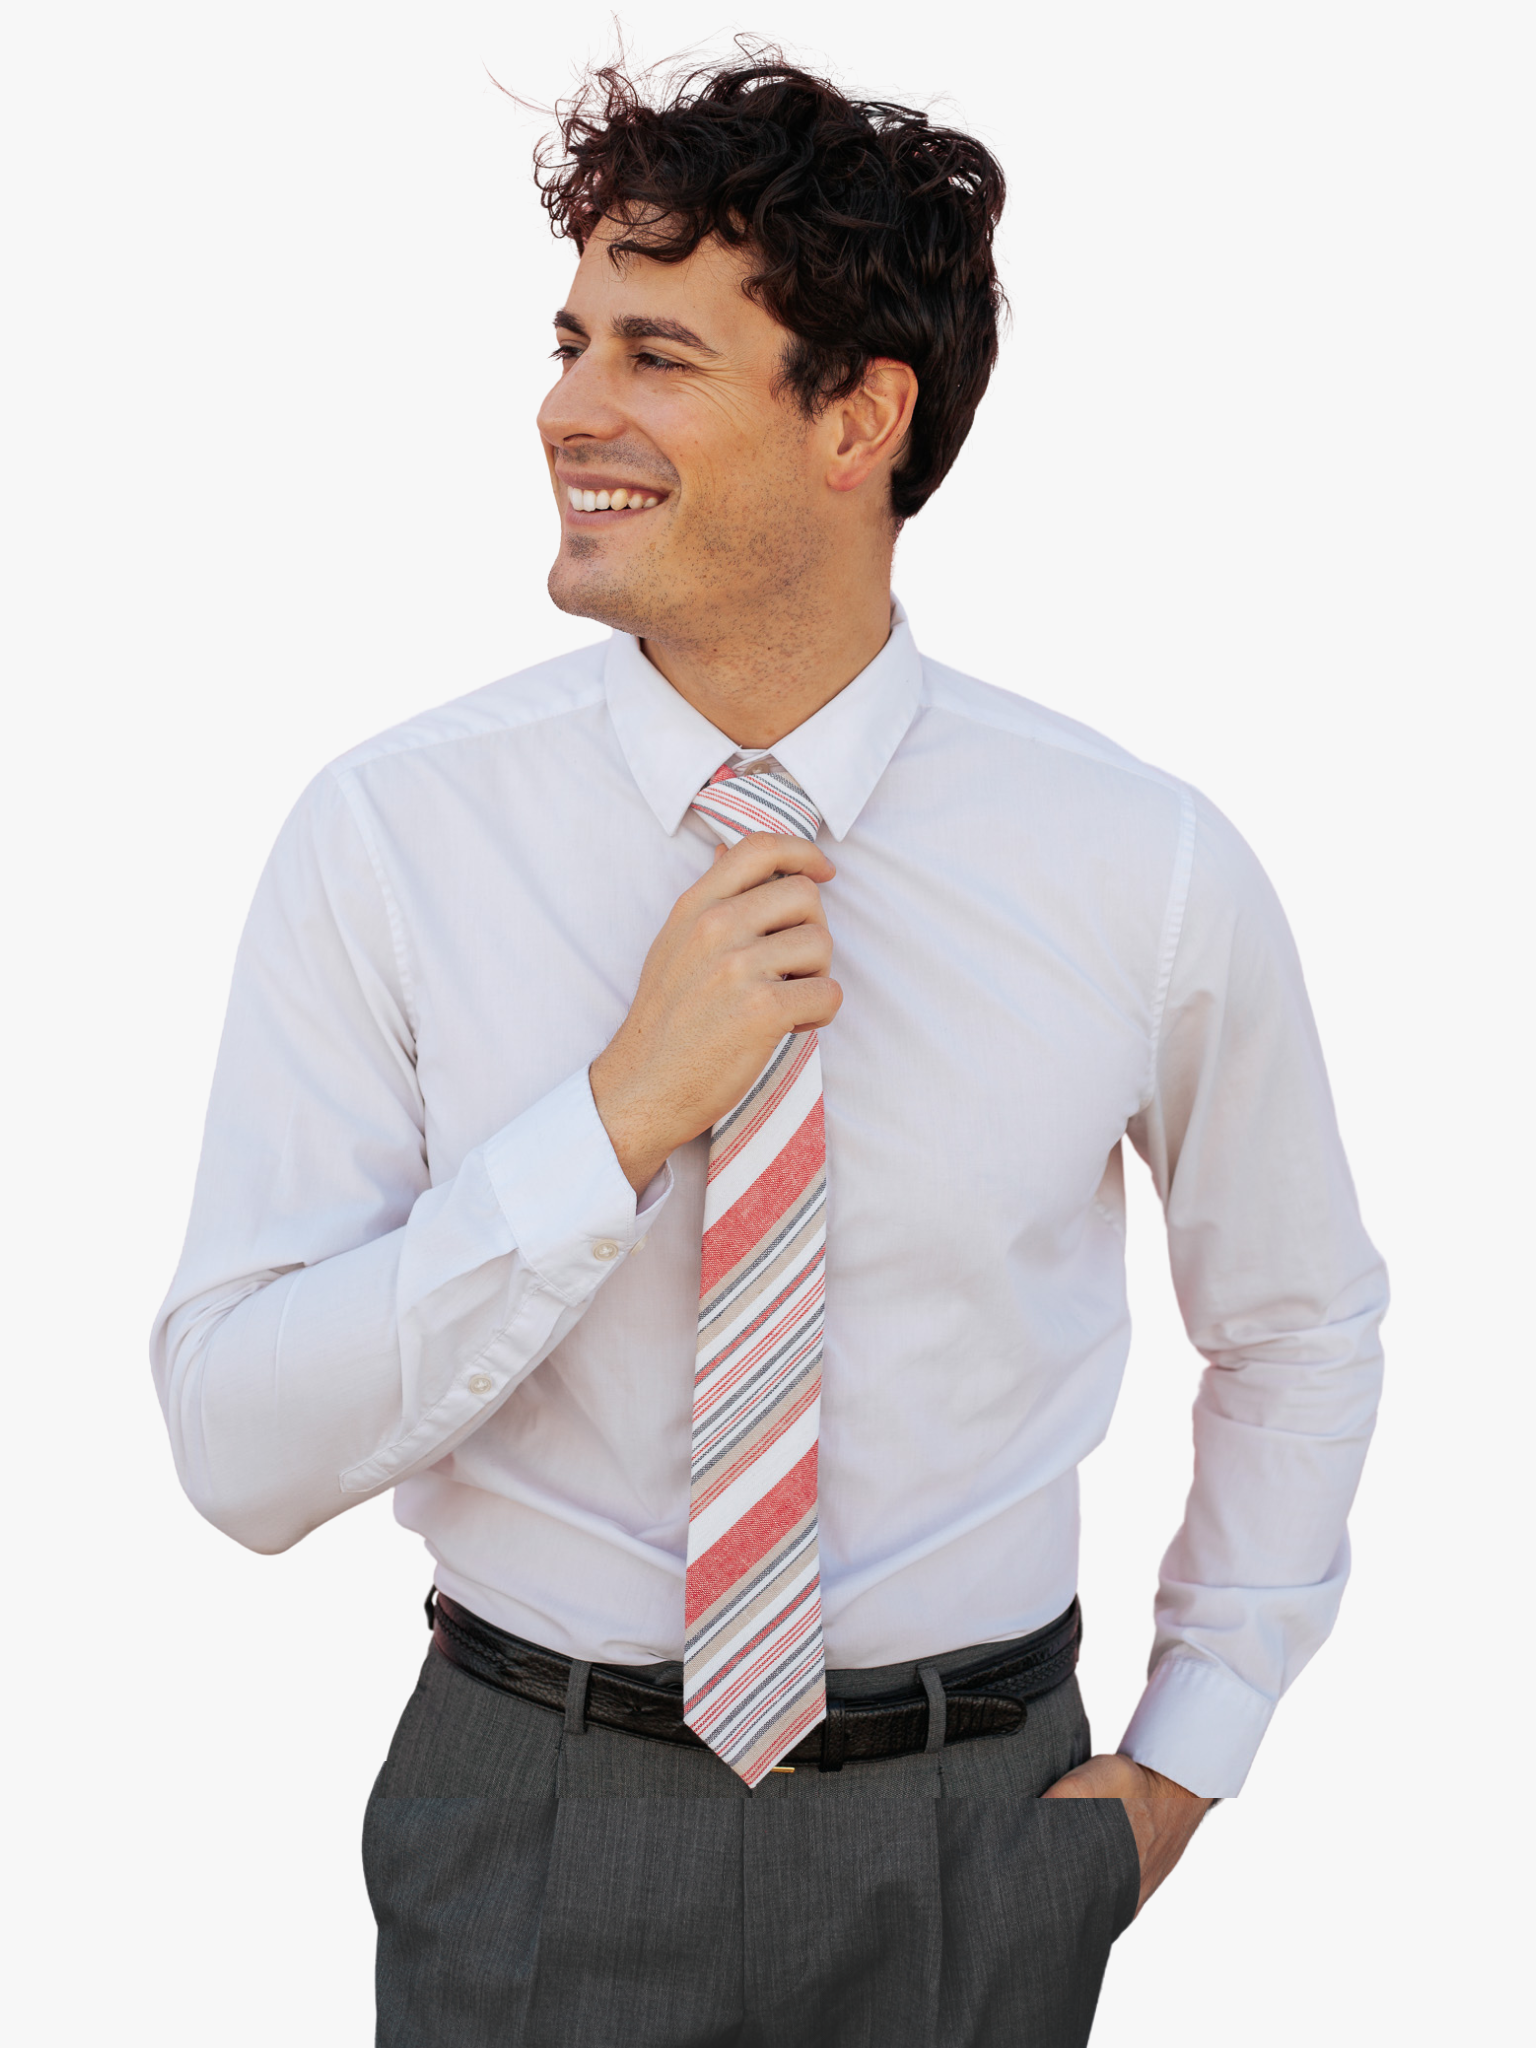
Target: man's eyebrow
(640, 327)
(650, 327)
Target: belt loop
(576, 1699)
(938, 1707)
(431, 1606)
(834, 1735)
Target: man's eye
(567, 352)
(658, 362)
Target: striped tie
(754, 1678)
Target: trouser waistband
(989, 1696)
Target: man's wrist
(1160, 1785)
(640, 1153)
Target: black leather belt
(988, 1697)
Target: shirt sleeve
(339, 1320)
(1282, 1293)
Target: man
(669, 1128)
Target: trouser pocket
(1035, 1892)
(456, 1852)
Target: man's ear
(868, 429)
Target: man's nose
(582, 406)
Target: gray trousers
(539, 1887)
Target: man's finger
(808, 1005)
(782, 903)
(803, 950)
(757, 859)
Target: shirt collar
(837, 756)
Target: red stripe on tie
(719, 1160)
(747, 1542)
(745, 1463)
(771, 1196)
(731, 1674)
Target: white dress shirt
(413, 1261)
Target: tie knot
(736, 801)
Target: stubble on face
(590, 577)
(732, 541)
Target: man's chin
(590, 589)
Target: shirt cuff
(572, 1214)
(1198, 1725)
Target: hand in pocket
(1163, 1816)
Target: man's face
(667, 393)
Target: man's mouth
(612, 498)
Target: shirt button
(605, 1248)
(480, 1383)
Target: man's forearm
(292, 1396)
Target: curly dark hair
(868, 229)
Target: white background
(1252, 492)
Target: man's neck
(756, 685)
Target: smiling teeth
(609, 501)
